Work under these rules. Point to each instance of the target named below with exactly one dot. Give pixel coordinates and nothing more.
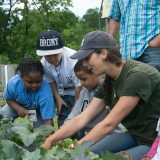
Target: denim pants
(151, 56)
(7, 112)
(66, 110)
(117, 142)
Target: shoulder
(142, 71)
(44, 62)
(67, 52)
(45, 89)
(70, 51)
(15, 79)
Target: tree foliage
(23, 20)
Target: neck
(115, 70)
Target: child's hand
(125, 155)
(146, 158)
(22, 112)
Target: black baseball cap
(94, 40)
(48, 43)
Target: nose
(82, 83)
(35, 86)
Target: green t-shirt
(138, 79)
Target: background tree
(23, 20)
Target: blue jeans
(151, 56)
(117, 142)
(7, 112)
(65, 111)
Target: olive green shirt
(142, 80)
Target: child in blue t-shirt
(28, 94)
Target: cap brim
(81, 54)
(48, 52)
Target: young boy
(58, 71)
(90, 84)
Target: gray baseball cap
(94, 40)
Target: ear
(104, 54)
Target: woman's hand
(46, 145)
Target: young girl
(154, 152)
(27, 92)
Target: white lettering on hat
(49, 42)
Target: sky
(81, 6)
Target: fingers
(23, 112)
(71, 146)
(155, 42)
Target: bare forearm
(54, 90)
(113, 27)
(77, 92)
(13, 105)
(48, 122)
(67, 130)
(94, 135)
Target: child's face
(54, 59)
(88, 81)
(32, 80)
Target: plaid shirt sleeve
(115, 12)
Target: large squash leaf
(27, 137)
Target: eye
(83, 79)
(32, 82)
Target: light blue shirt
(139, 23)
(41, 99)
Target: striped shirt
(139, 23)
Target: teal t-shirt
(138, 79)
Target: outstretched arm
(76, 124)
(22, 112)
(123, 107)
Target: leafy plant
(20, 141)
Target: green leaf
(26, 136)
(50, 154)
(44, 130)
(111, 156)
(11, 149)
(32, 155)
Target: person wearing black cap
(58, 67)
(131, 89)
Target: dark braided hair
(29, 65)
(79, 66)
(113, 56)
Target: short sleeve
(137, 84)
(115, 12)
(100, 93)
(47, 103)
(9, 91)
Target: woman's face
(32, 80)
(96, 62)
(54, 59)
